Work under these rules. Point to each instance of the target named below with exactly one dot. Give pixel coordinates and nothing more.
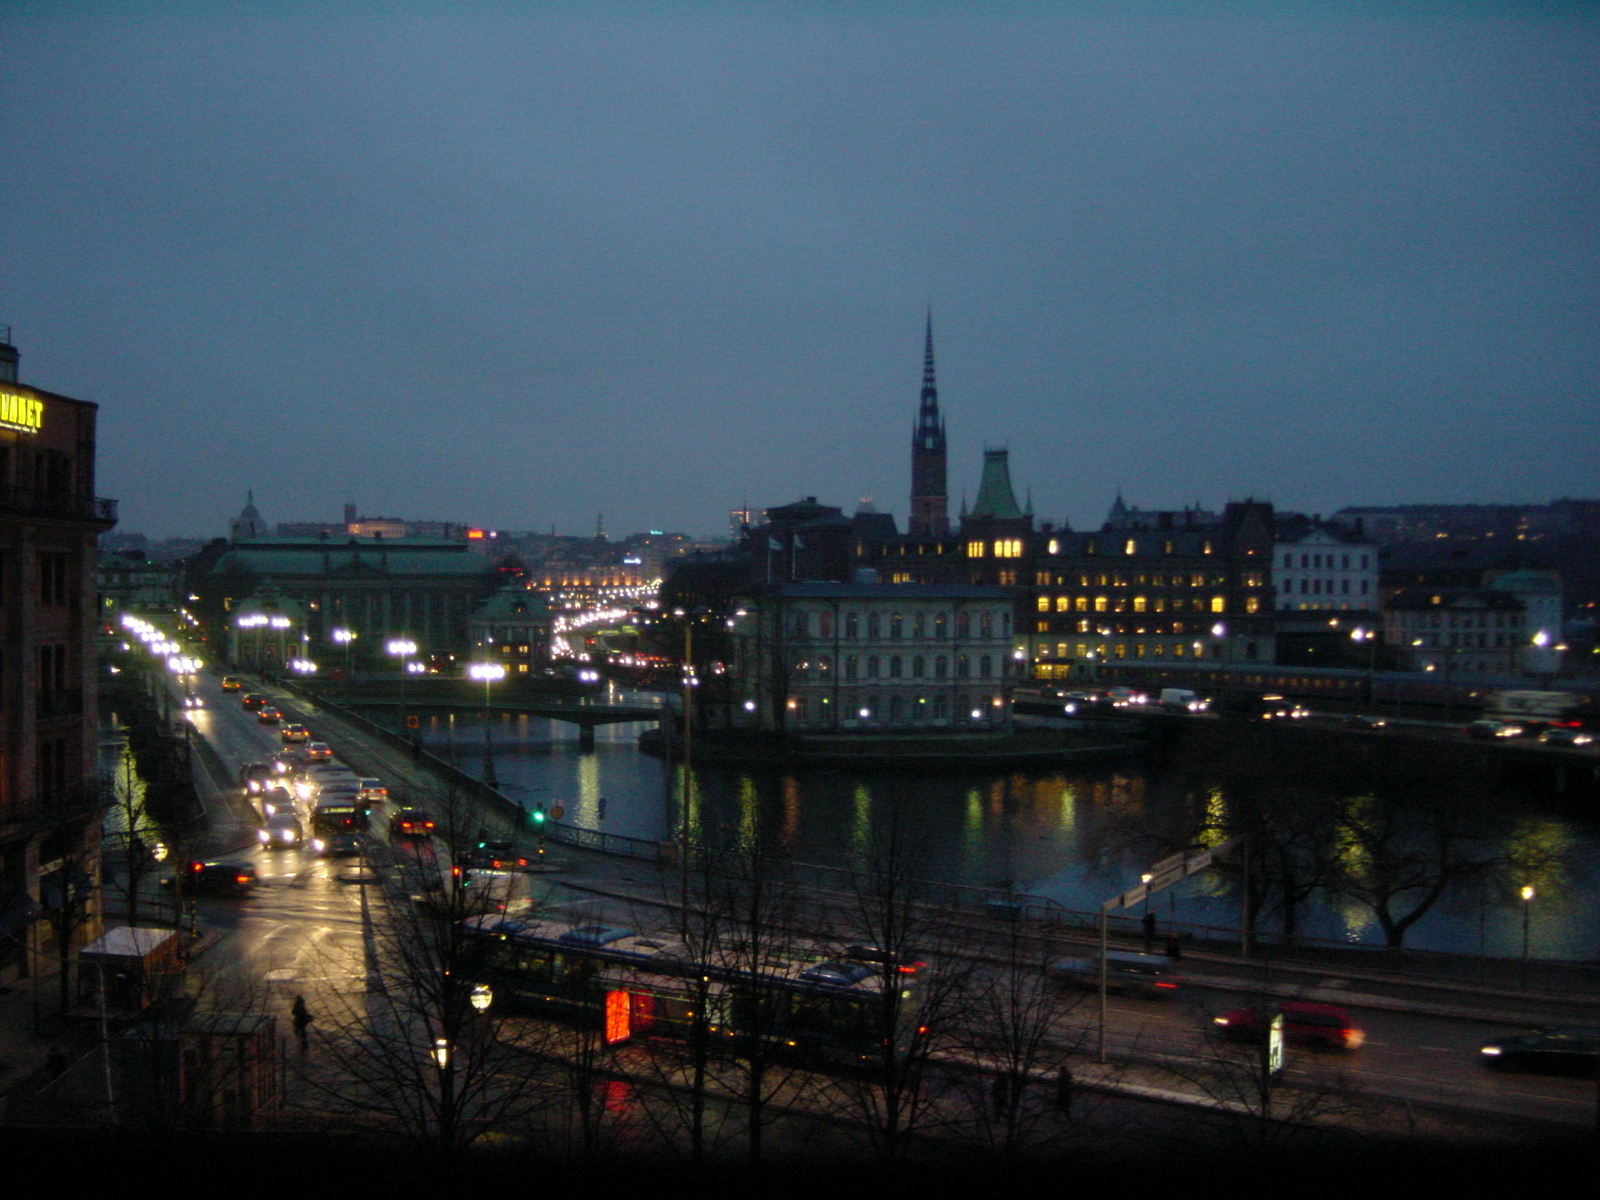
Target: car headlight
(1492, 1051)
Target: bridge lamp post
(281, 623)
(344, 637)
(403, 649)
(490, 673)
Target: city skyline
(519, 266)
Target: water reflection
(1075, 837)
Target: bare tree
(414, 1048)
(1019, 1035)
(913, 1015)
(131, 834)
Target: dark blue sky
(518, 264)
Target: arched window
(963, 667)
(917, 665)
(896, 625)
(894, 666)
(850, 666)
(825, 625)
(872, 666)
(963, 624)
(940, 667)
(983, 667)
(873, 626)
(851, 627)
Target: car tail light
(1160, 984)
(241, 879)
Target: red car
(1318, 1026)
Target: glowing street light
(403, 649)
(489, 672)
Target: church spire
(929, 500)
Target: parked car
(1320, 1026)
(226, 878)
(1557, 1050)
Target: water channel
(1069, 835)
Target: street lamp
(489, 672)
(403, 649)
(280, 623)
(344, 637)
(1528, 895)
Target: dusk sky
(520, 264)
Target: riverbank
(1022, 749)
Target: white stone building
(1322, 571)
(832, 657)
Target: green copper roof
(995, 497)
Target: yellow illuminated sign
(21, 412)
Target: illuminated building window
(1008, 548)
(1219, 604)
(1083, 627)
(1161, 604)
(1130, 547)
(1158, 650)
(1055, 546)
(1042, 627)
(1122, 650)
(1044, 603)
(1252, 604)
(1138, 650)
(1139, 604)
(1081, 604)
(1007, 579)
(1206, 549)
(1101, 603)
(1063, 604)
(1197, 579)
(1177, 650)
(974, 549)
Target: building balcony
(24, 502)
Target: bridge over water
(585, 715)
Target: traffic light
(538, 814)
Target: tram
(637, 985)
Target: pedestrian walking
(302, 1021)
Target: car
(1277, 708)
(226, 878)
(253, 700)
(410, 823)
(883, 959)
(373, 791)
(295, 732)
(232, 683)
(255, 778)
(276, 799)
(1554, 1050)
(268, 715)
(282, 831)
(836, 974)
(1559, 735)
(1488, 729)
(1360, 721)
(1153, 976)
(494, 856)
(190, 700)
(319, 752)
(1318, 1026)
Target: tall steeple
(929, 500)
